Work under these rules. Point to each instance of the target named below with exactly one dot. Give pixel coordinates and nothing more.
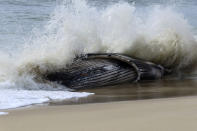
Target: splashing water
(162, 36)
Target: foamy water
(3, 113)
(19, 98)
(155, 32)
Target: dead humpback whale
(97, 70)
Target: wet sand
(165, 88)
(169, 114)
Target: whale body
(98, 70)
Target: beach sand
(169, 114)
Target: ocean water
(43, 35)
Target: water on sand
(167, 88)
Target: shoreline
(167, 114)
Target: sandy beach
(169, 114)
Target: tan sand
(174, 114)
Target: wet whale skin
(99, 70)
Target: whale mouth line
(105, 69)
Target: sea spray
(162, 36)
(167, 40)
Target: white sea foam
(3, 113)
(11, 98)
